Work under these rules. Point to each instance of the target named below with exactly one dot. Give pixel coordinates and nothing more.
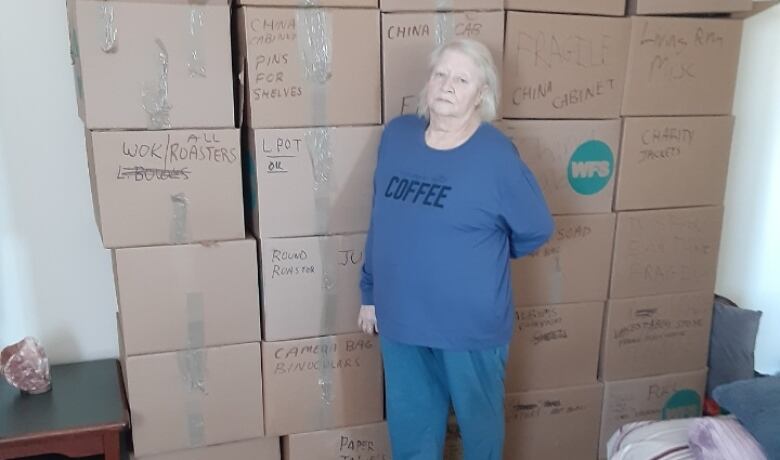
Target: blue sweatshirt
(444, 226)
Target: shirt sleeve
(367, 272)
(523, 209)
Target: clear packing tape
(314, 52)
(107, 27)
(445, 27)
(317, 141)
(330, 302)
(196, 331)
(556, 282)
(196, 64)
(314, 45)
(314, 49)
(154, 94)
(192, 369)
(326, 390)
(180, 233)
(328, 256)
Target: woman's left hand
(367, 319)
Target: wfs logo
(590, 167)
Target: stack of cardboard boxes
(166, 168)
(625, 125)
(623, 120)
(155, 91)
(670, 184)
(311, 91)
(564, 75)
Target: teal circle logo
(590, 167)
(683, 404)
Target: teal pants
(420, 385)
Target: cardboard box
(440, 5)
(669, 162)
(370, 442)
(574, 161)
(560, 423)
(166, 187)
(307, 182)
(195, 398)
(681, 66)
(757, 7)
(177, 74)
(656, 335)
(599, 7)
(300, 66)
(322, 383)
(666, 251)
(310, 286)
(187, 296)
(554, 346)
(314, 3)
(408, 39)
(640, 7)
(653, 398)
(573, 266)
(259, 448)
(564, 66)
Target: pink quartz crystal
(26, 366)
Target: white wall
(749, 265)
(56, 281)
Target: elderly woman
(453, 202)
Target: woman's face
(455, 86)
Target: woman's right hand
(367, 319)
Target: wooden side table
(83, 415)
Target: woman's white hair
(483, 59)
